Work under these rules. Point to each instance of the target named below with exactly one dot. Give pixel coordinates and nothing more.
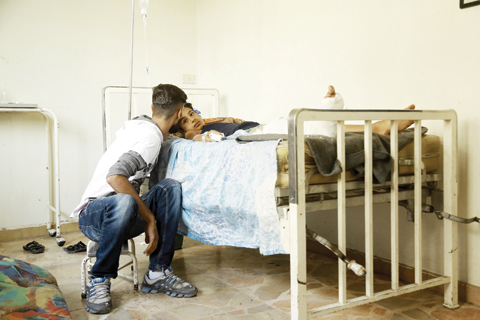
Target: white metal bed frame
(292, 212)
(298, 208)
(107, 111)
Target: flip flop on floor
(79, 247)
(30, 245)
(38, 248)
(34, 247)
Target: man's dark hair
(165, 99)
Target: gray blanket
(324, 150)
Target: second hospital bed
(294, 187)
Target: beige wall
(60, 54)
(267, 57)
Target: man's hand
(151, 237)
(121, 185)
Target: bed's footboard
(297, 207)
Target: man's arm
(120, 184)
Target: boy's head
(167, 99)
(190, 119)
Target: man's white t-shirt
(133, 155)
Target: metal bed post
(418, 201)
(341, 214)
(394, 234)
(368, 208)
(450, 205)
(298, 250)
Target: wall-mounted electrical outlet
(189, 79)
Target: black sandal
(30, 245)
(34, 247)
(38, 248)
(79, 247)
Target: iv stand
(131, 66)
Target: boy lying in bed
(194, 127)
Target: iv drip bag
(143, 7)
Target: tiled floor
(233, 283)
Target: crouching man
(111, 210)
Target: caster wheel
(60, 242)
(84, 296)
(52, 233)
(135, 287)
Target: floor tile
(233, 283)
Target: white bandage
(216, 136)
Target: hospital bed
(413, 177)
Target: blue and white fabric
(228, 191)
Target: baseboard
(466, 292)
(30, 232)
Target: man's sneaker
(98, 296)
(168, 283)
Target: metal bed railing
(142, 106)
(298, 208)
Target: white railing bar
(418, 200)
(357, 184)
(394, 205)
(358, 200)
(121, 89)
(378, 296)
(344, 115)
(353, 201)
(342, 223)
(369, 208)
(107, 136)
(450, 205)
(297, 215)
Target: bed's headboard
(115, 106)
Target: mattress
(430, 158)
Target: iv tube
(146, 51)
(143, 7)
(143, 11)
(4, 93)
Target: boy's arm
(190, 135)
(198, 136)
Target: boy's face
(190, 120)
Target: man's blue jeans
(110, 221)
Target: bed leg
(450, 229)
(298, 264)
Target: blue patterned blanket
(227, 191)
